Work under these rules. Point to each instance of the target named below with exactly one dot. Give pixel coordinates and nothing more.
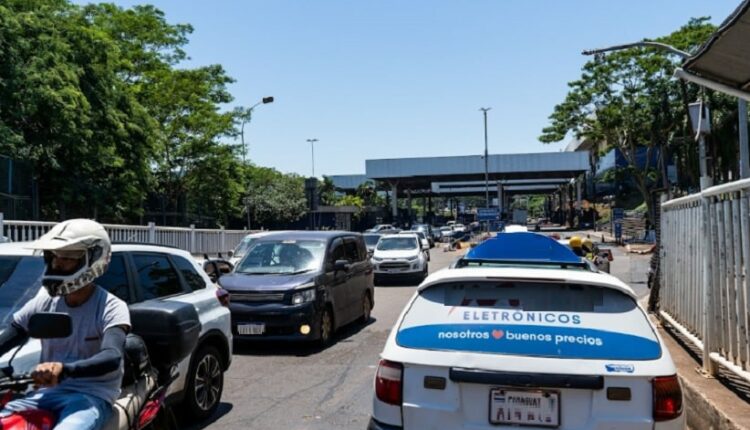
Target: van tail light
(223, 296)
(667, 398)
(388, 387)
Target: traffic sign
(487, 214)
(618, 230)
(618, 213)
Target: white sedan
(488, 347)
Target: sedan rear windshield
(537, 319)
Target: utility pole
(312, 148)
(486, 161)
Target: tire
(366, 308)
(205, 383)
(424, 275)
(326, 327)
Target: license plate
(251, 329)
(525, 407)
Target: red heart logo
(498, 334)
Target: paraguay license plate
(525, 407)
(251, 329)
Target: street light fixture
(312, 148)
(486, 165)
(246, 117)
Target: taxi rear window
(538, 319)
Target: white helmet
(79, 238)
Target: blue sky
(405, 78)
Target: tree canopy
(97, 101)
(629, 101)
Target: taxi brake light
(388, 382)
(667, 398)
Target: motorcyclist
(79, 377)
(588, 248)
(577, 246)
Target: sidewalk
(710, 404)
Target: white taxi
(545, 345)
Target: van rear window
(529, 318)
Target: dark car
(427, 230)
(371, 241)
(300, 285)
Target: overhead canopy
(725, 58)
(420, 173)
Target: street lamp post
(312, 149)
(246, 118)
(486, 161)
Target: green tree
(629, 100)
(190, 159)
(275, 198)
(67, 113)
(355, 201)
(327, 192)
(368, 192)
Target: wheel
(425, 273)
(205, 383)
(366, 308)
(326, 327)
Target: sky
(406, 78)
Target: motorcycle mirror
(50, 325)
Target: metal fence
(194, 240)
(705, 258)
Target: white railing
(705, 258)
(194, 240)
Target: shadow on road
(296, 348)
(224, 409)
(398, 282)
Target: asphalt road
(288, 386)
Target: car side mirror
(370, 254)
(50, 325)
(425, 247)
(341, 265)
(230, 254)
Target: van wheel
(205, 383)
(366, 309)
(326, 327)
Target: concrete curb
(708, 404)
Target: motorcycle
(168, 333)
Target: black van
(300, 285)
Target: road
(287, 386)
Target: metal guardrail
(705, 258)
(194, 240)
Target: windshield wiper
(296, 272)
(258, 273)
